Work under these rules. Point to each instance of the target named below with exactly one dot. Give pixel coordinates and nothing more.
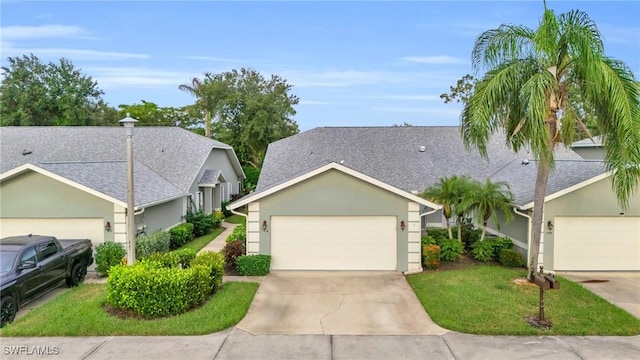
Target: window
(47, 249)
(28, 255)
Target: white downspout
(529, 225)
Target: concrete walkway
(218, 243)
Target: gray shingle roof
(110, 178)
(210, 176)
(596, 142)
(392, 155)
(174, 155)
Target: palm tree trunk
(459, 223)
(484, 231)
(538, 208)
(449, 228)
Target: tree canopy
(38, 94)
(538, 86)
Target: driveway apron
(337, 303)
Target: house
(591, 149)
(345, 198)
(71, 182)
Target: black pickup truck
(32, 265)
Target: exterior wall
(334, 193)
(517, 230)
(597, 199)
(433, 220)
(162, 216)
(218, 159)
(33, 195)
(590, 153)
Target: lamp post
(128, 123)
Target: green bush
(202, 222)
(469, 234)
(238, 233)
(431, 257)
(181, 235)
(214, 262)
(500, 244)
(483, 250)
(438, 234)
(152, 291)
(511, 258)
(108, 254)
(253, 265)
(186, 256)
(156, 242)
(252, 174)
(218, 218)
(226, 212)
(428, 240)
(232, 250)
(167, 260)
(450, 249)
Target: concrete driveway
(619, 288)
(337, 303)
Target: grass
(79, 312)
(236, 219)
(484, 300)
(198, 243)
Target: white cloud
(440, 59)
(73, 54)
(347, 78)
(316, 102)
(135, 77)
(407, 97)
(40, 32)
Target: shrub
(431, 256)
(202, 223)
(450, 249)
(438, 234)
(214, 262)
(181, 235)
(238, 233)
(226, 212)
(232, 250)
(428, 240)
(186, 256)
(159, 241)
(469, 234)
(483, 250)
(253, 265)
(218, 217)
(108, 254)
(511, 258)
(166, 260)
(151, 290)
(500, 244)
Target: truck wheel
(77, 275)
(8, 309)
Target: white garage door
(333, 243)
(596, 243)
(67, 228)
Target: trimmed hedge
(156, 242)
(431, 257)
(214, 262)
(232, 250)
(253, 265)
(181, 235)
(151, 290)
(511, 258)
(108, 254)
(238, 233)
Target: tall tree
(537, 86)
(487, 201)
(150, 114)
(33, 93)
(250, 111)
(203, 102)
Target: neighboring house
(71, 182)
(336, 199)
(590, 149)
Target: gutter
(427, 213)
(529, 225)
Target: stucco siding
(218, 159)
(33, 195)
(590, 153)
(517, 230)
(334, 193)
(597, 199)
(162, 216)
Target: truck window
(28, 255)
(47, 249)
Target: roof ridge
(80, 162)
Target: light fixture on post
(402, 226)
(129, 123)
(107, 226)
(264, 225)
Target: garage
(67, 228)
(333, 242)
(597, 244)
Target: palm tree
(464, 187)
(444, 193)
(538, 87)
(487, 200)
(197, 89)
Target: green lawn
(236, 219)
(198, 243)
(484, 300)
(79, 312)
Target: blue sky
(351, 63)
